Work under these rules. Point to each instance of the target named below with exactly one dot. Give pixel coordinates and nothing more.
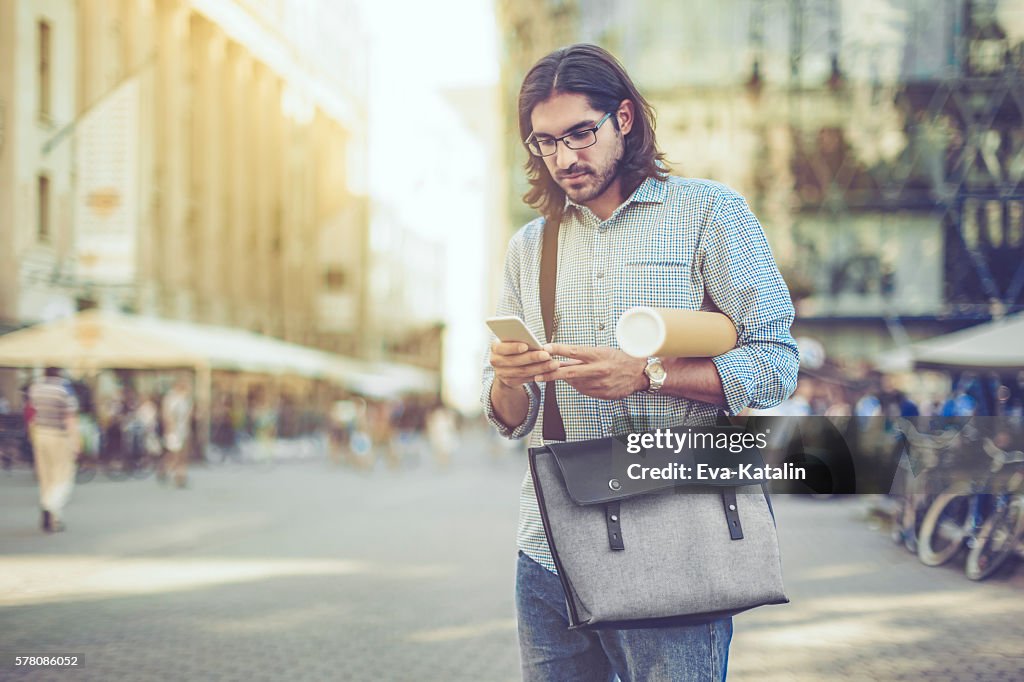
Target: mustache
(571, 170)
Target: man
(176, 415)
(629, 234)
(54, 433)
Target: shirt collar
(651, 190)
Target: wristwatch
(656, 373)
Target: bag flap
(600, 470)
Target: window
(44, 69)
(335, 279)
(43, 226)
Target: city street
(306, 571)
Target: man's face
(584, 174)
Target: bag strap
(554, 428)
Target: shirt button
(600, 275)
(600, 327)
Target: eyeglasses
(578, 139)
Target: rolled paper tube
(670, 333)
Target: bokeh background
(302, 206)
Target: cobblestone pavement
(307, 571)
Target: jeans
(549, 651)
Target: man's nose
(564, 157)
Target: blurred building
(201, 160)
(529, 30)
(407, 292)
(880, 142)
(476, 257)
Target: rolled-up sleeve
(743, 280)
(510, 303)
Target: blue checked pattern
(675, 243)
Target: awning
(96, 339)
(996, 346)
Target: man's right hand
(514, 364)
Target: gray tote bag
(653, 553)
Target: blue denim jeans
(550, 652)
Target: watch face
(656, 371)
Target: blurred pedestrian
(380, 424)
(112, 419)
(146, 418)
(55, 441)
(959, 404)
(176, 415)
(223, 426)
(441, 433)
(340, 425)
(265, 425)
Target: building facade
(879, 142)
(200, 160)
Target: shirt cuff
(521, 431)
(739, 378)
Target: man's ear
(625, 115)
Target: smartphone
(513, 329)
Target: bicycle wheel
(907, 526)
(996, 541)
(945, 526)
(85, 472)
(116, 468)
(144, 466)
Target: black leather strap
(613, 519)
(732, 514)
(554, 428)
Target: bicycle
(15, 446)
(85, 468)
(931, 452)
(1000, 536)
(958, 515)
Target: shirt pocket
(659, 283)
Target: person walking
(55, 442)
(626, 233)
(442, 434)
(176, 417)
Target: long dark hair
(593, 72)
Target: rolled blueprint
(667, 332)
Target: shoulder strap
(549, 277)
(554, 428)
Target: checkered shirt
(675, 243)
(53, 401)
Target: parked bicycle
(960, 515)
(135, 452)
(15, 448)
(923, 468)
(1001, 535)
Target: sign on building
(106, 188)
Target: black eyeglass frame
(564, 139)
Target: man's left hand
(600, 371)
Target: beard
(593, 182)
